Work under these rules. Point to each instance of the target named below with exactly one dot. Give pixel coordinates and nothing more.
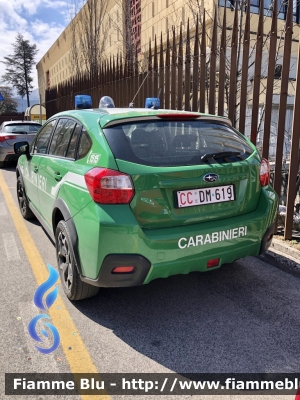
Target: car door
(32, 179)
(55, 165)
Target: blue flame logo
(49, 300)
(44, 287)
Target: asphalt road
(241, 318)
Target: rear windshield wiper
(221, 154)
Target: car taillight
(7, 137)
(107, 186)
(264, 174)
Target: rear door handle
(35, 168)
(57, 176)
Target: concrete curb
(284, 248)
(284, 257)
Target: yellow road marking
(78, 357)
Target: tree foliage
(9, 105)
(19, 67)
(95, 27)
(88, 34)
(123, 27)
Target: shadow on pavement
(228, 320)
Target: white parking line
(10, 245)
(3, 211)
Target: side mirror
(21, 148)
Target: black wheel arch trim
(18, 171)
(61, 206)
(19, 175)
(267, 239)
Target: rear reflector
(213, 263)
(7, 137)
(122, 270)
(264, 174)
(107, 186)
(178, 116)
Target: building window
(167, 3)
(48, 79)
(278, 70)
(255, 4)
(153, 9)
(136, 17)
(296, 11)
(167, 24)
(183, 16)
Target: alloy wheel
(21, 198)
(65, 261)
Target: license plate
(198, 197)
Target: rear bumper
(107, 278)
(171, 251)
(7, 154)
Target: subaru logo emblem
(210, 177)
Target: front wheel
(22, 200)
(73, 286)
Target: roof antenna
(157, 100)
(132, 102)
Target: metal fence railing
(216, 70)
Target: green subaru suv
(131, 195)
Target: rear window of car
(21, 128)
(174, 143)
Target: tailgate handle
(198, 181)
(57, 176)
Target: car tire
(1, 164)
(73, 286)
(22, 200)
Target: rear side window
(173, 143)
(61, 137)
(73, 142)
(85, 144)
